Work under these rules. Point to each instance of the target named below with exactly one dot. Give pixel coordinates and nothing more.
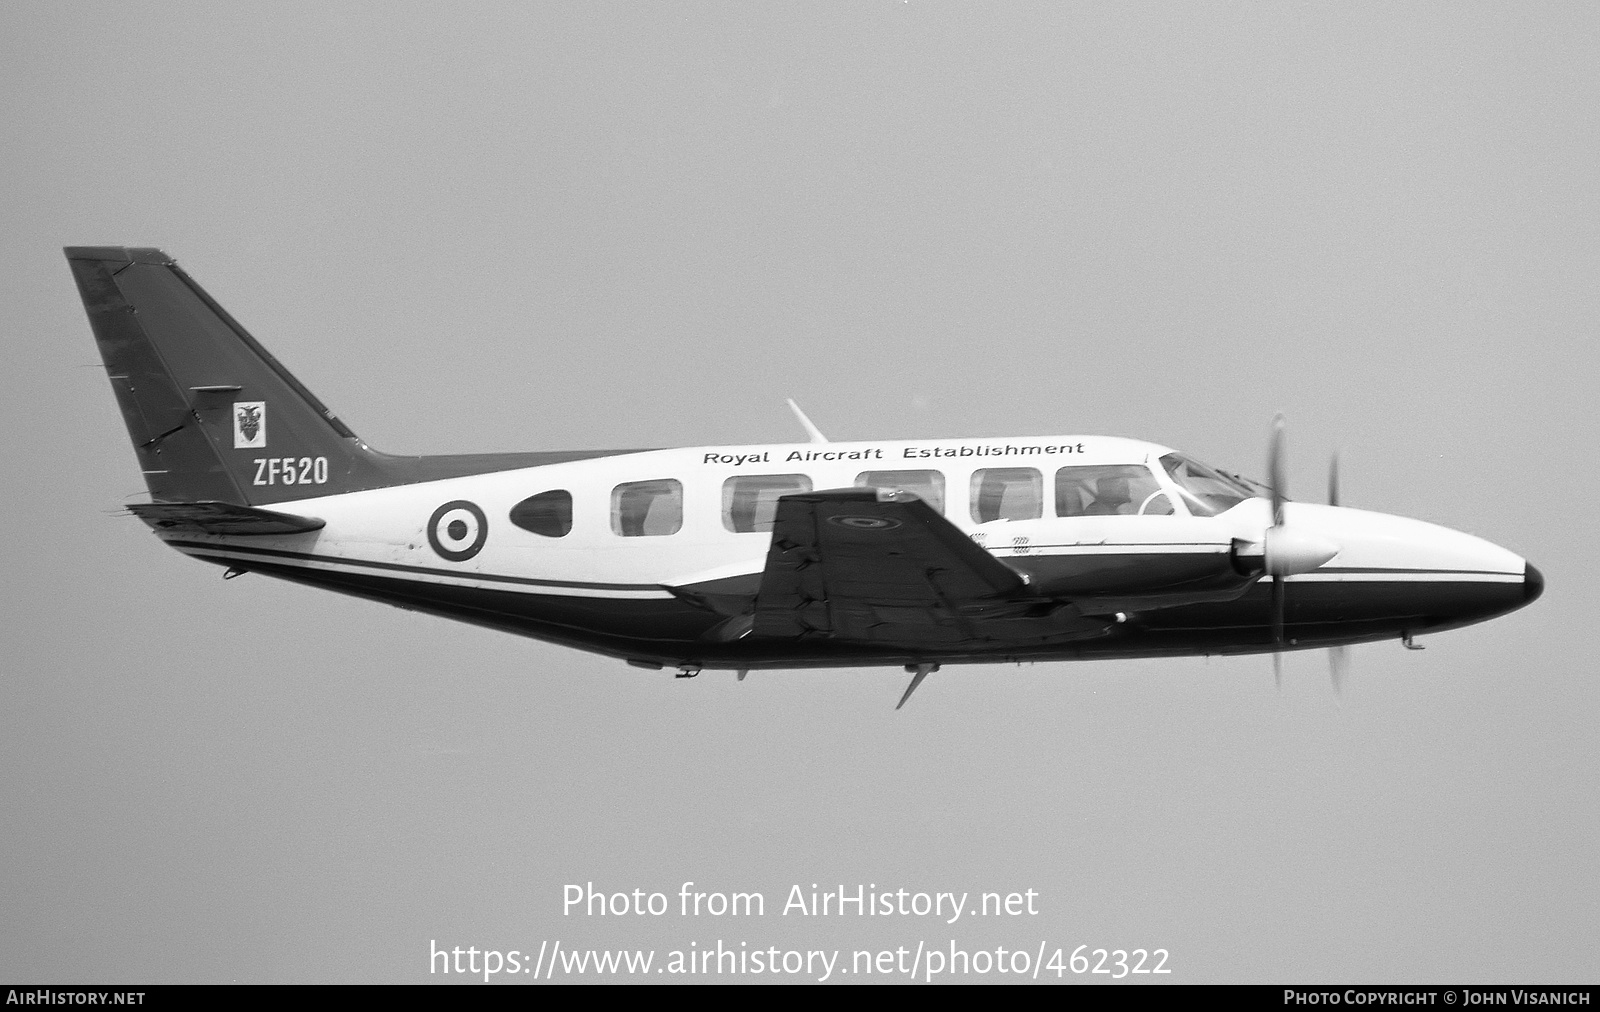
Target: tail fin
(213, 416)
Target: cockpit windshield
(1206, 490)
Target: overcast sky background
(507, 226)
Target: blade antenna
(916, 680)
(812, 432)
(1333, 480)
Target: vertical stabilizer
(213, 416)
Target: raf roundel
(457, 530)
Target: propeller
(1339, 656)
(1287, 550)
(1280, 602)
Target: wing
(883, 567)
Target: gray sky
(517, 227)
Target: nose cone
(1397, 573)
(1532, 584)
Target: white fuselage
(389, 525)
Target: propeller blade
(1278, 603)
(1275, 476)
(1338, 668)
(1333, 480)
(1278, 608)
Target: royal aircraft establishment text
(906, 453)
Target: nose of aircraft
(1396, 572)
(1532, 584)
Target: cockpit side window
(1107, 490)
(926, 485)
(1007, 493)
(1206, 491)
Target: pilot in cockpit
(1110, 498)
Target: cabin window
(644, 509)
(1110, 490)
(750, 501)
(925, 485)
(548, 514)
(1007, 493)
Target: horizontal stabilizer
(221, 518)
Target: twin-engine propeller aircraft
(908, 552)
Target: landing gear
(687, 671)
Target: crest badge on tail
(249, 425)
